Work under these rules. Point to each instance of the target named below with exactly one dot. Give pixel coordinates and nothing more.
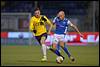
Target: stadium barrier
(73, 38)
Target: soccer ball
(59, 59)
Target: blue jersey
(61, 25)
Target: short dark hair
(65, 11)
(36, 9)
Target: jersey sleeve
(54, 20)
(47, 20)
(31, 26)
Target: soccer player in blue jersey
(62, 24)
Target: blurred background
(19, 46)
(75, 10)
(15, 15)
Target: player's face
(37, 13)
(61, 15)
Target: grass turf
(31, 55)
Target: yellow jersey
(38, 24)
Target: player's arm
(31, 26)
(49, 23)
(54, 26)
(54, 23)
(75, 27)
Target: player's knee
(62, 44)
(43, 40)
(54, 46)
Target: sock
(58, 47)
(44, 49)
(66, 50)
(56, 52)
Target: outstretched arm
(72, 25)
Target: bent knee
(43, 40)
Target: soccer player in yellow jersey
(38, 27)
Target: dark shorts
(39, 37)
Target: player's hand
(65, 33)
(81, 35)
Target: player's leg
(58, 47)
(66, 37)
(72, 59)
(64, 47)
(40, 40)
(54, 47)
(51, 43)
(54, 50)
(43, 38)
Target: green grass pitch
(31, 55)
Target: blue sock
(66, 50)
(56, 52)
(65, 45)
(58, 47)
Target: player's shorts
(39, 37)
(58, 37)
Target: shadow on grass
(37, 61)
